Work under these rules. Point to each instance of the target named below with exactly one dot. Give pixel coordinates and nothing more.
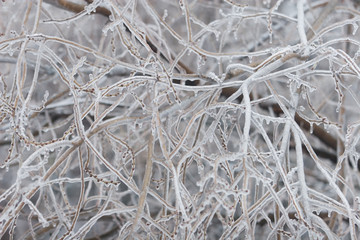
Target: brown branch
(75, 7)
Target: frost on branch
(187, 119)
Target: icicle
(201, 61)
(270, 38)
(181, 4)
(267, 3)
(165, 15)
(267, 120)
(235, 35)
(355, 28)
(217, 35)
(303, 95)
(338, 107)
